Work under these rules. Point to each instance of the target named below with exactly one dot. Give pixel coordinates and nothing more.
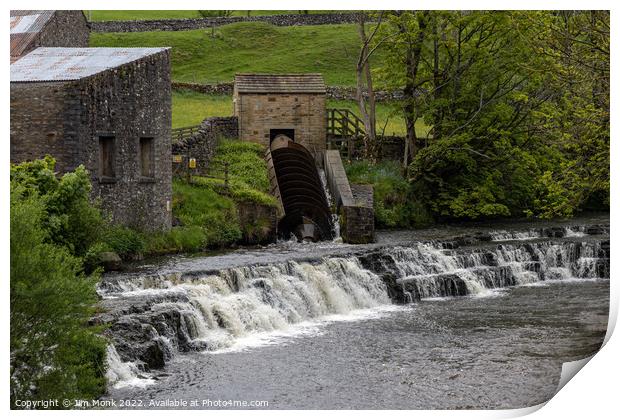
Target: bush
(54, 354)
(125, 241)
(395, 205)
(68, 215)
(178, 239)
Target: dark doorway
(288, 132)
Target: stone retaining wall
(201, 146)
(354, 203)
(201, 23)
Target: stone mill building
(108, 109)
(291, 104)
(31, 29)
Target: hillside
(201, 56)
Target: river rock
(110, 261)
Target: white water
(330, 202)
(242, 308)
(122, 374)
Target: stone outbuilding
(291, 104)
(108, 109)
(31, 29)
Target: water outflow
(155, 316)
(332, 205)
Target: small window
(147, 156)
(106, 156)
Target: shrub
(68, 215)
(125, 241)
(178, 239)
(54, 354)
(394, 203)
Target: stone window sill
(107, 180)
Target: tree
(497, 91)
(407, 32)
(54, 353)
(364, 85)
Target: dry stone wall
(202, 144)
(208, 22)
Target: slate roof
(280, 83)
(52, 64)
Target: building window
(106, 156)
(147, 157)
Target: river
(470, 317)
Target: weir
(155, 316)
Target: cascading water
(155, 316)
(330, 202)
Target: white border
(592, 394)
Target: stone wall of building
(201, 23)
(201, 145)
(304, 113)
(68, 28)
(126, 103)
(38, 112)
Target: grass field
(103, 15)
(199, 57)
(190, 108)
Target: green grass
(199, 57)
(103, 15)
(190, 108)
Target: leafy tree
(54, 354)
(68, 215)
(519, 108)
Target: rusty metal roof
(26, 25)
(51, 64)
(280, 83)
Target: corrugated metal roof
(25, 27)
(49, 64)
(280, 83)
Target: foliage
(68, 215)
(216, 214)
(178, 239)
(54, 354)
(126, 242)
(518, 103)
(395, 205)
